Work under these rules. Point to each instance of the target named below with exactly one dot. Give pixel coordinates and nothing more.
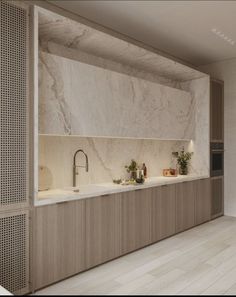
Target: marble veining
(80, 99)
(78, 55)
(200, 91)
(107, 157)
(78, 64)
(72, 34)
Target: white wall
(226, 71)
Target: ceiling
(184, 29)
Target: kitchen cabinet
(136, 219)
(185, 205)
(59, 242)
(217, 196)
(163, 212)
(202, 201)
(103, 229)
(73, 236)
(156, 214)
(167, 211)
(217, 111)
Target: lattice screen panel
(13, 104)
(14, 252)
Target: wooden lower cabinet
(217, 196)
(185, 205)
(167, 211)
(59, 242)
(73, 236)
(156, 214)
(163, 212)
(202, 201)
(103, 229)
(136, 219)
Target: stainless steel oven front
(217, 159)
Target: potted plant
(183, 159)
(132, 169)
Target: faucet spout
(76, 166)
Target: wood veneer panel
(103, 229)
(185, 205)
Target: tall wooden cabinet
(217, 135)
(217, 111)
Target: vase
(183, 170)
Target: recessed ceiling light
(222, 36)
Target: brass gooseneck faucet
(75, 171)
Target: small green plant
(132, 168)
(183, 159)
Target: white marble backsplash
(200, 91)
(80, 99)
(107, 157)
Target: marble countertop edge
(63, 195)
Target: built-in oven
(217, 159)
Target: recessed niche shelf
(113, 137)
(91, 84)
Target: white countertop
(4, 292)
(93, 190)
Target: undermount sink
(85, 188)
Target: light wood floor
(199, 261)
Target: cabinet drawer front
(167, 211)
(59, 243)
(202, 201)
(217, 111)
(103, 229)
(136, 220)
(217, 196)
(185, 205)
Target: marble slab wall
(88, 37)
(84, 57)
(80, 99)
(200, 92)
(107, 157)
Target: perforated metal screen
(13, 104)
(14, 250)
(14, 221)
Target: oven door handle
(217, 151)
